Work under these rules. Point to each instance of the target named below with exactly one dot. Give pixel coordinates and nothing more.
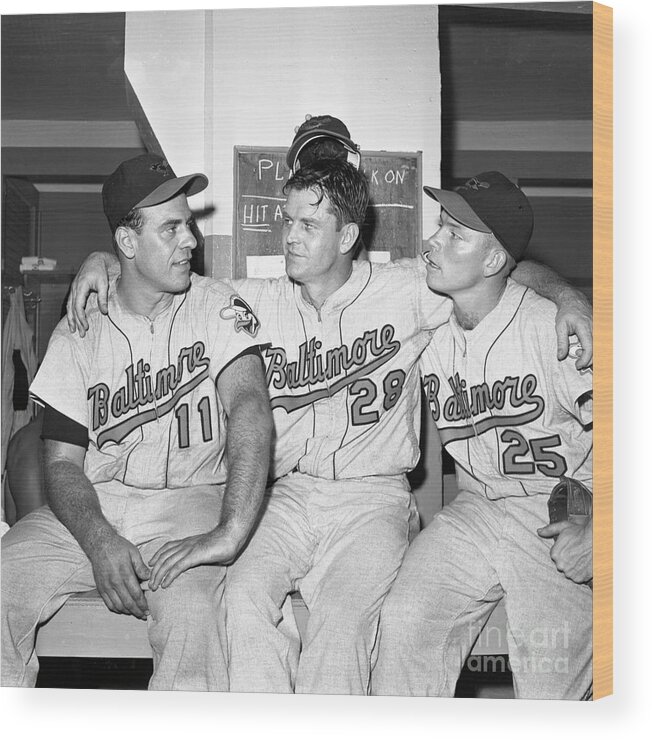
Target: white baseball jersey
(343, 380)
(145, 389)
(507, 410)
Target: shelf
(58, 275)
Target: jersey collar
(495, 322)
(345, 294)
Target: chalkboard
(392, 228)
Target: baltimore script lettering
(312, 367)
(140, 389)
(476, 400)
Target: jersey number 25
(543, 459)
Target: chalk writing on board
(391, 205)
(393, 219)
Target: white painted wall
(165, 61)
(209, 80)
(376, 68)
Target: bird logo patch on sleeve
(244, 318)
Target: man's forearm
(243, 393)
(110, 259)
(74, 501)
(249, 433)
(574, 311)
(544, 280)
(117, 564)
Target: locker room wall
(517, 95)
(377, 68)
(515, 86)
(249, 77)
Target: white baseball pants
(42, 565)
(340, 543)
(472, 554)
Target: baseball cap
(321, 127)
(143, 181)
(490, 203)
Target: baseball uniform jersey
(344, 387)
(343, 380)
(145, 389)
(513, 417)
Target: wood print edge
(603, 349)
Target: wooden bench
(85, 628)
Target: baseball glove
(570, 501)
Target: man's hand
(93, 275)
(572, 553)
(118, 569)
(177, 556)
(243, 393)
(575, 316)
(117, 565)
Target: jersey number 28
(366, 392)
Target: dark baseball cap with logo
(490, 203)
(321, 127)
(144, 181)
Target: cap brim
(190, 185)
(454, 204)
(305, 139)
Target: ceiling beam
(66, 134)
(578, 7)
(60, 164)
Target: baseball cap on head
(144, 181)
(321, 127)
(490, 203)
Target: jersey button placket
(487, 448)
(315, 329)
(465, 373)
(325, 411)
(338, 403)
(152, 345)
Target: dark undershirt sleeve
(62, 428)
(249, 351)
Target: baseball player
(141, 419)
(343, 379)
(516, 421)
(345, 336)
